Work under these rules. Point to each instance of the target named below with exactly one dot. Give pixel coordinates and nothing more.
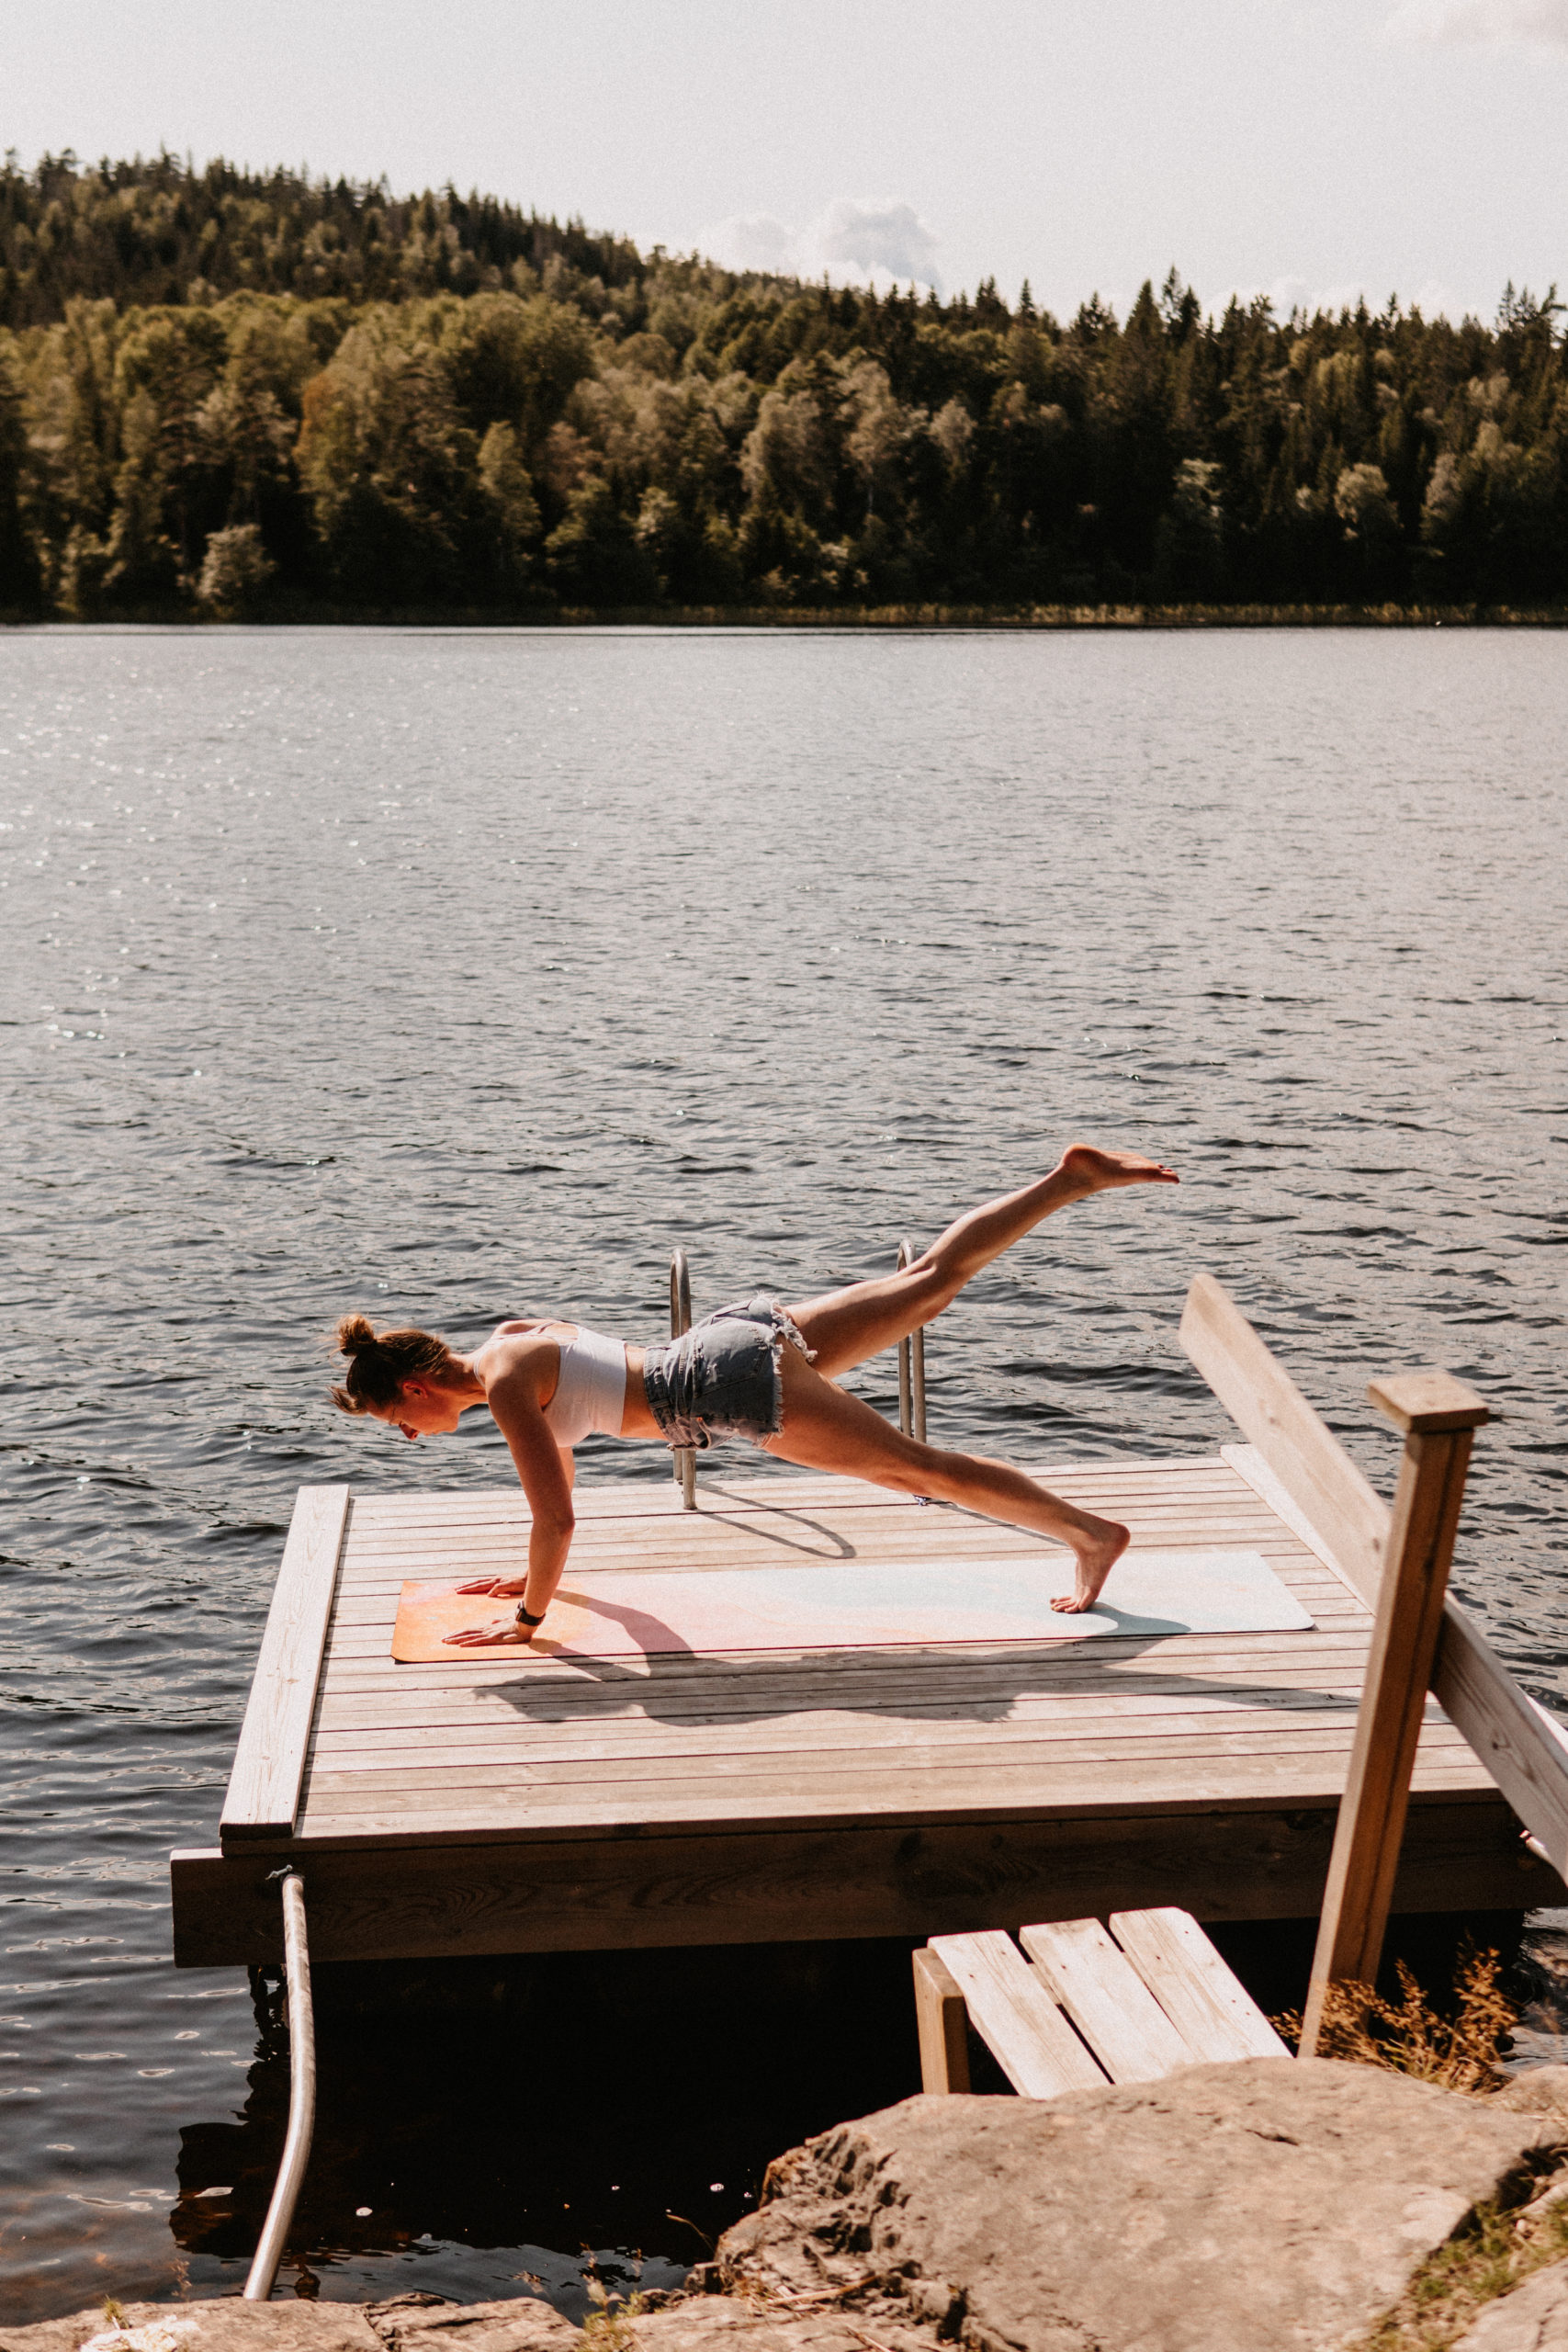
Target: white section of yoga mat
(855, 1604)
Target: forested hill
(147, 234)
(245, 394)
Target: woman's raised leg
(827, 1428)
(844, 1327)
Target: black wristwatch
(524, 1618)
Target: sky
(1310, 150)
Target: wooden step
(1127, 2005)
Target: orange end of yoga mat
(428, 1612)
(856, 1605)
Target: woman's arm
(546, 1472)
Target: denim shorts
(722, 1377)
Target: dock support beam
(1438, 1416)
(301, 2095)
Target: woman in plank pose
(756, 1369)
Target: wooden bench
(1125, 2005)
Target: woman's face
(421, 1409)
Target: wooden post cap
(1423, 1402)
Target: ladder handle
(912, 1367)
(679, 1295)
(685, 1459)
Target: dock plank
(621, 1730)
(269, 1763)
(637, 1729)
(1309, 1772)
(915, 1773)
(472, 1748)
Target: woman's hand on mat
(503, 1632)
(500, 1587)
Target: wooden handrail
(1266, 1406)
(1305, 1474)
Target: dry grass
(1500, 2247)
(1459, 2053)
(1497, 2252)
(609, 2325)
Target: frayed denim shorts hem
(723, 1377)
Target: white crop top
(591, 1391)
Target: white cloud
(1435, 299)
(1288, 294)
(1455, 21)
(878, 236)
(1431, 298)
(749, 241)
(873, 241)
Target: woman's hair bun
(379, 1361)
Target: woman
(756, 1369)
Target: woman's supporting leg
(844, 1327)
(827, 1428)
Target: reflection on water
(452, 976)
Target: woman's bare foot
(1089, 1170)
(1096, 1555)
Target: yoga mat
(861, 1604)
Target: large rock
(728, 2323)
(288, 2326)
(429, 2323)
(1533, 2319)
(1541, 2090)
(407, 2324)
(1268, 2206)
(523, 2324)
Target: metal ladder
(911, 1369)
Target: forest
(267, 397)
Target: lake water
(452, 976)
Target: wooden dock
(499, 1802)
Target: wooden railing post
(1438, 1415)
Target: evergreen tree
(20, 574)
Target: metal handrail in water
(301, 2095)
(681, 1322)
